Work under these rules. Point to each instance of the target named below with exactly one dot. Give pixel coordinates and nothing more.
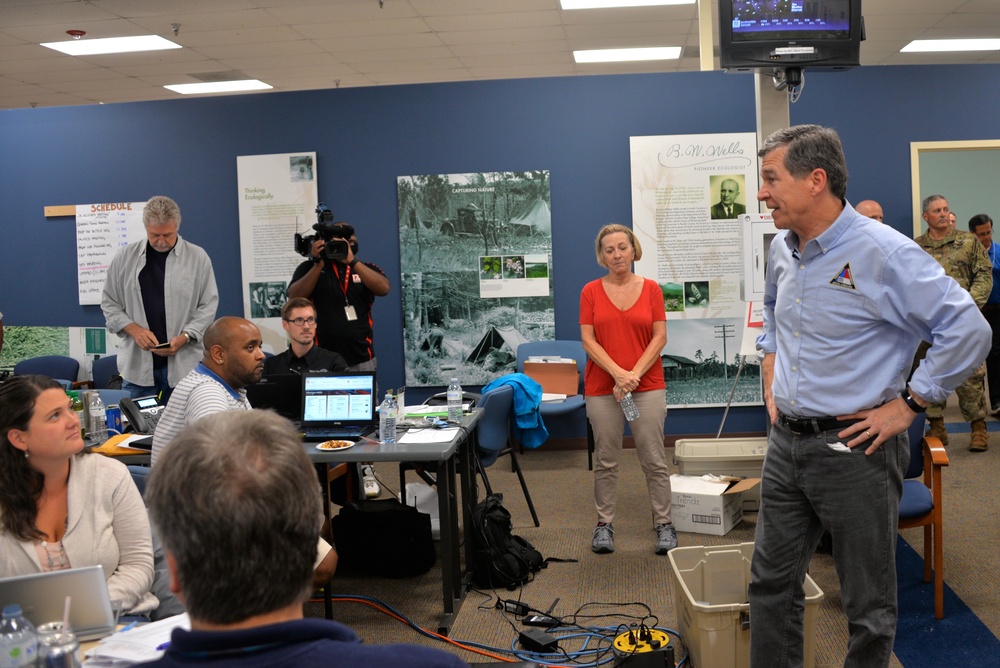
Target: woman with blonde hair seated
(62, 507)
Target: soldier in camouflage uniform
(965, 260)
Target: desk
(453, 589)
(452, 585)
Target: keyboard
(326, 434)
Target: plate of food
(335, 445)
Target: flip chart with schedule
(102, 229)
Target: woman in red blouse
(623, 328)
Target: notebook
(337, 405)
(282, 393)
(42, 597)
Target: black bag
(384, 538)
(501, 559)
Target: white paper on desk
(428, 435)
(423, 409)
(553, 397)
(138, 644)
(133, 437)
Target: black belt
(813, 425)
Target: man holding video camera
(342, 289)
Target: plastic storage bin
(710, 592)
(738, 457)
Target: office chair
(573, 407)
(103, 370)
(493, 438)
(57, 367)
(921, 504)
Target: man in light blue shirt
(846, 302)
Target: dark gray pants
(809, 486)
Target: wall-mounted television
(777, 34)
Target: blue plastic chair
(573, 407)
(493, 438)
(57, 367)
(921, 504)
(103, 370)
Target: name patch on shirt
(844, 278)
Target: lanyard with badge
(349, 312)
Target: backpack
(500, 559)
(384, 538)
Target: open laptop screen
(342, 399)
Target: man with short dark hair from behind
(237, 505)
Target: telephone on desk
(142, 413)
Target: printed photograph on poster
(475, 258)
(701, 361)
(267, 298)
(513, 276)
(731, 201)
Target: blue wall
(577, 127)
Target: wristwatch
(352, 263)
(911, 402)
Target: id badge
(350, 313)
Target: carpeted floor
(561, 488)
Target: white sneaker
(372, 489)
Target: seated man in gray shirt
(298, 317)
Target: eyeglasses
(298, 322)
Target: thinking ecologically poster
(475, 258)
(277, 198)
(687, 192)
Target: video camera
(336, 235)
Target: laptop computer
(337, 405)
(42, 597)
(282, 393)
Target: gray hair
(160, 210)
(811, 147)
(926, 203)
(237, 503)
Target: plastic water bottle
(387, 419)
(18, 640)
(629, 408)
(454, 401)
(98, 417)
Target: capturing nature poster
(687, 194)
(476, 259)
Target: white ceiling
(310, 44)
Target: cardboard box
(555, 377)
(710, 594)
(704, 506)
(737, 457)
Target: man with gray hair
(963, 258)
(727, 207)
(845, 305)
(159, 296)
(237, 506)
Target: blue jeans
(807, 487)
(160, 386)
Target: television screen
(757, 34)
(791, 19)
